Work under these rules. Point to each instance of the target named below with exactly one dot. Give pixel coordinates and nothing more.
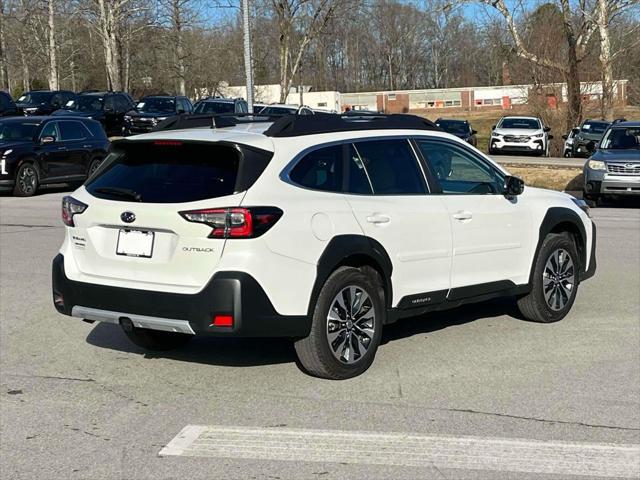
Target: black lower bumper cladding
(227, 293)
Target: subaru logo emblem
(632, 165)
(128, 217)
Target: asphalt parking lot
(80, 402)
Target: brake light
(168, 143)
(70, 208)
(222, 321)
(235, 222)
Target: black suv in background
(108, 108)
(153, 109)
(221, 105)
(41, 150)
(460, 128)
(590, 131)
(43, 102)
(8, 107)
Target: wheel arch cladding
(353, 251)
(560, 220)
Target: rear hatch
(132, 232)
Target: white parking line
(374, 448)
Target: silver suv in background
(614, 167)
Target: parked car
(587, 135)
(322, 228)
(282, 109)
(614, 167)
(8, 107)
(43, 102)
(567, 150)
(153, 109)
(460, 128)
(520, 135)
(221, 105)
(108, 108)
(41, 150)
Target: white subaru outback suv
(320, 228)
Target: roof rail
(218, 120)
(297, 125)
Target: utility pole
(248, 67)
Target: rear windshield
(594, 127)
(166, 172)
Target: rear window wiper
(120, 192)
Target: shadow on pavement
(246, 352)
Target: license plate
(135, 243)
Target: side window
(110, 104)
(50, 130)
(242, 107)
(320, 170)
(4, 101)
(459, 171)
(57, 100)
(73, 131)
(357, 180)
(392, 167)
(122, 104)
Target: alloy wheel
(351, 323)
(558, 279)
(27, 179)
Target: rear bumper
(227, 293)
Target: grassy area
(554, 178)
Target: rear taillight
(70, 208)
(235, 222)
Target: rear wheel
(156, 340)
(93, 166)
(26, 181)
(346, 326)
(555, 281)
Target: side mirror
(493, 127)
(180, 111)
(550, 137)
(513, 186)
(473, 132)
(564, 137)
(45, 140)
(547, 129)
(575, 131)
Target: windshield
(594, 127)
(523, 123)
(278, 111)
(85, 103)
(155, 105)
(35, 98)
(621, 138)
(15, 131)
(454, 126)
(215, 107)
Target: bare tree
(299, 23)
(4, 70)
(606, 11)
(179, 15)
(577, 32)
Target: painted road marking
(407, 450)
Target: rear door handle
(463, 215)
(377, 218)
(62, 149)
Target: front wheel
(555, 280)
(26, 181)
(346, 325)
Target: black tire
(537, 307)
(27, 180)
(315, 353)
(93, 166)
(156, 340)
